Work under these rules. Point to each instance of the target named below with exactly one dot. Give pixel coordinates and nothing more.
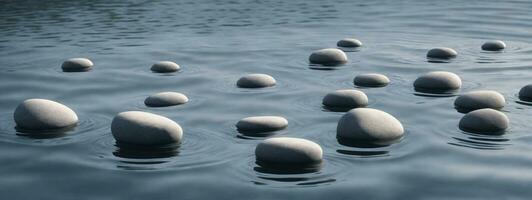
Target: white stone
(259, 124)
(371, 80)
(438, 81)
(165, 67)
(256, 81)
(142, 128)
(288, 151)
(525, 93)
(163, 99)
(42, 114)
(495, 45)
(369, 125)
(77, 65)
(329, 56)
(484, 121)
(442, 53)
(349, 42)
(480, 99)
(345, 98)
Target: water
(216, 42)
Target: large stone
(349, 42)
(346, 99)
(42, 114)
(165, 67)
(328, 57)
(288, 152)
(525, 93)
(495, 45)
(369, 125)
(479, 99)
(142, 128)
(438, 81)
(260, 124)
(77, 65)
(442, 53)
(371, 80)
(163, 99)
(256, 81)
(484, 121)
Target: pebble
(371, 80)
(256, 81)
(77, 65)
(442, 53)
(42, 114)
(349, 42)
(259, 124)
(495, 45)
(369, 125)
(346, 98)
(525, 94)
(480, 99)
(164, 99)
(165, 67)
(438, 81)
(328, 57)
(288, 151)
(484, 121)
(142, 128)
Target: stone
(164, 99)
(165, 67)
(484, 121)
(77, 65)
(256, 81)
(525, 94)
(349, 42)
(371, 80)
(42, 114)
(260, 124)
(288, 151)
(345, 98)
(328, 57)
(438, 81)
(142, 128)
(442, 53)
(369, 125)
(480, 99)
(495, 45)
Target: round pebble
(260, 124)
(77, 65)
(42, 114)
(256, 81)
(288, 152)
(349, 42)
(486, 120)
(442, 53)
(480, 99)
(165, 67)
(371, 80)
(369, 125)
(164, 99)
(495, 45)
(329, 56)
(438, 81)
(525, 93)
(142, 128)
(346, 98)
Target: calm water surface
(216, 42)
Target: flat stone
(346, 98)
(480, 99)
(259, 124)
(495, 45)
(369, 125)
(256, 81)
(142, 128)
(165, 67)
(328, 57)
(525, 93)
(438, 81)
(288, 151)
(442, 53)
(42, 114)
(164, 99)
(484, 121)
(77, 65)
(349, 42)
(371, 80)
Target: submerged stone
(42, 114)
(371, 80)
(165, 67)
(164, 99)
(346, 99)
(479, 99)
(256, 81)
(328, 57)
(260, 124)
(495, 45)
(349, 42)
(288, 151)
(484, 121)
(77, 65)
(142, 128)
(438, 81)
(369, 125)
(525, 94)
(442, 53)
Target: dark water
(216, 42)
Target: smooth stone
(163, 99)
(349, 42)
(369, 125)
(371, 80)
(288, 151)
(77, 65)
(480, 99)
(442, 53)
(438, 81)
(495, 45)
(259, 124)
(525, 93)
(329, 56)
(165, 67)
(142, 128)
(345, 98)
(485, 121)
(256, 81)
(42, 114)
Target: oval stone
(525, 93)
(442, 53)
(164, 99)
(288, 152)
(480, 99)
(371, 80)
(165, 67)
(346, 98)
(369, 125)
(495, 45)
(328, 57)
(77, 65)
(142, 128)
(256, 81)
(484, 121)
(349, 42)
(260, 124)
(42, 114)
(438, 81)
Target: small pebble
(479, 99)
(328, 57)
(484, 121)
(42, 114)
(164, 99)
(438, 81)
(349, 42)
(442, 53)
(525, 94)
(495, 45)
(288, 151)
(165, 67)
(346, 98)
(371, 80)
(256, 81)
(77, 65)
(259, 124)
(369, 125)
(142, 128)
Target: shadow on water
(130, 151)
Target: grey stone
(165, 67)
(371, 80)
(259, 124)
(77, 65)
(480, 99)
(371, 125)
(442, 53)
(525, 93)
(256, 81)
(142, 128)
(349, 42)
(346, 98)
(329, 56)
(495, 45)
(164, 99)
(42, 114)
(484, 121)
(438, 81)
(288, 151)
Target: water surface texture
(216, 42)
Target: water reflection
(363, 148)
(481, 142)
(44, 134)
(130, 151)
